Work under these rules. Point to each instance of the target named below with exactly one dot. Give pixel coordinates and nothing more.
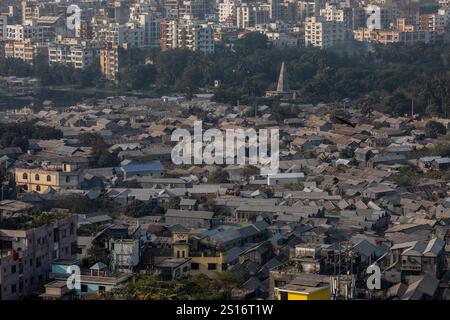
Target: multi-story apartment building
(20, 32)
(306, 9)
(169, 38)
(345, 15)
(322, 33)
(332, 13)
(227, 11)
(109, 61)
(130, 34)
(30, 10)
(3, 23)
(150, 22)
(42, 178)
(427, 22)
(187, 34)
(121, 11)
(434, 22)
(194, 8)
(249, 15)
(78, 54)
(406, 35)
(85, 31)
(172, 8)
(26, 255)
(24, 50)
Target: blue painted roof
(149, 166)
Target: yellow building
(201, 263)
(40, 179)
(297, 292)
(24, 50)
(109, 62)
(207, 265)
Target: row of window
(211, 266)
(38, 178)
(15, 287)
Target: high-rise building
(30, 11)
(322, 33)
(227, 11)
(130, 34)
(306, 9)
(150, 22)
(250, 15)
(109, 61)
(19, 32)
(187, 34)
(78, 55)
(194, 8)
(25, 50)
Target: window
(67, 179)
(49, 178)
(38, 188)
(212, 266)
(25, 176)
(13, 269)
(194, 266)
(36, 177)
(84, 288)
(13, 288)
(101, 288)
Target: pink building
(26, 255)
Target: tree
(190, 80)
(149, 287)
(268, 191)
(75, 203)
(441, 149)
(96, 254)
(250, 170)
(137, 208)
(251, 42)
(218, 176)
(347, 153)
(211, 204)
(100, 152)
(138, 77)
(434, 128)
(295, 186)
(367, 104)
(172, 203)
